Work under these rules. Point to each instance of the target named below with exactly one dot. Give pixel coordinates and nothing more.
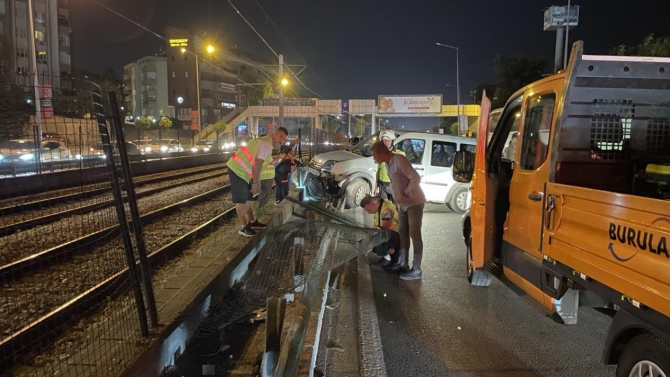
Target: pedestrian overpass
(317, 109)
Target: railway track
(34, 313)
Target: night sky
(361, 49)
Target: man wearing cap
(244, 168)
(383, 180)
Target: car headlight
(2, 157)
(164, 149)
(27, 157)
(244, 144)
(194, 149)
(77, 156)
(206, 149)
(328, 165)
(102, 156)
(232, 145)
(226, 145)
(147, 149)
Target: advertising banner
(46, 101)
(429, 104)
(194, 121)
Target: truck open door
(480, 240)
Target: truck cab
(351, 174)
(578, 214)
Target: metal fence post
(134, 211)
(120, 209)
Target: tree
(219, 127)
(479, 89)
(650, 46)
(454, 128)
(254, 94)
(163, 124)
(358, 128)
(331, 125)
(512, 74)
(143, 124)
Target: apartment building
(52, 42)
(145, 86)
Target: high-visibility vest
(387, 206)
(268, 171)
(382, 170)
(242, 162)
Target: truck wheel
(459, 201)
(355, 192)
(478, 278)
(645, 355)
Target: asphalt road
(441, 326)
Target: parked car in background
(165, 146)
(204, 146)
(144, 145)
(25, 151)
(228, 146)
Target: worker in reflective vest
(244, 168)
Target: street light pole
(197, 85)
(281, 90)
(458, 82)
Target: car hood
(335, 156)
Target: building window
(64, 58)
(172, 57)
(22, 70)
(22, 52)
(2, 7)
(174, 75)
(39, 17)
(63, 40)
(151, 75)
(39, 36)
(186, 93)
(174, 93)
(21, 33)
(186, 74)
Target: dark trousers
(383, 248)
(386, 192)
(281, 188)
(409, 227)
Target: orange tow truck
(578, 214)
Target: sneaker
(257, 225)
(413, 274)
(246, 231)
(380, 264)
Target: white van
(352, 174)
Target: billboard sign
(429, 104)
(227, 86)
(345, 106)
(194, 120)
(178, 42)
(555, 17)
(46, 101)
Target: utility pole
(197, 89)
(33, 65)
(567, 36)
(281, 90)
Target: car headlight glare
(194, 149)
(164, 149)
(27, 157)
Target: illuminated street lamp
(284, 82)
(210, 49)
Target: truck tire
(645, 355)
(459, 200)
(476, 277)
(355, 192)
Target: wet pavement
(441, 326)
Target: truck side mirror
(464, 166)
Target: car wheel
(645, 355)
(355, 193)
(476, 277)
(459, 200)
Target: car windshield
(15, 144)
(363, 148)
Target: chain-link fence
(69, 304)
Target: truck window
(537, 126)
(443, 154)
(413, 149)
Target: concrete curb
(371, 357)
